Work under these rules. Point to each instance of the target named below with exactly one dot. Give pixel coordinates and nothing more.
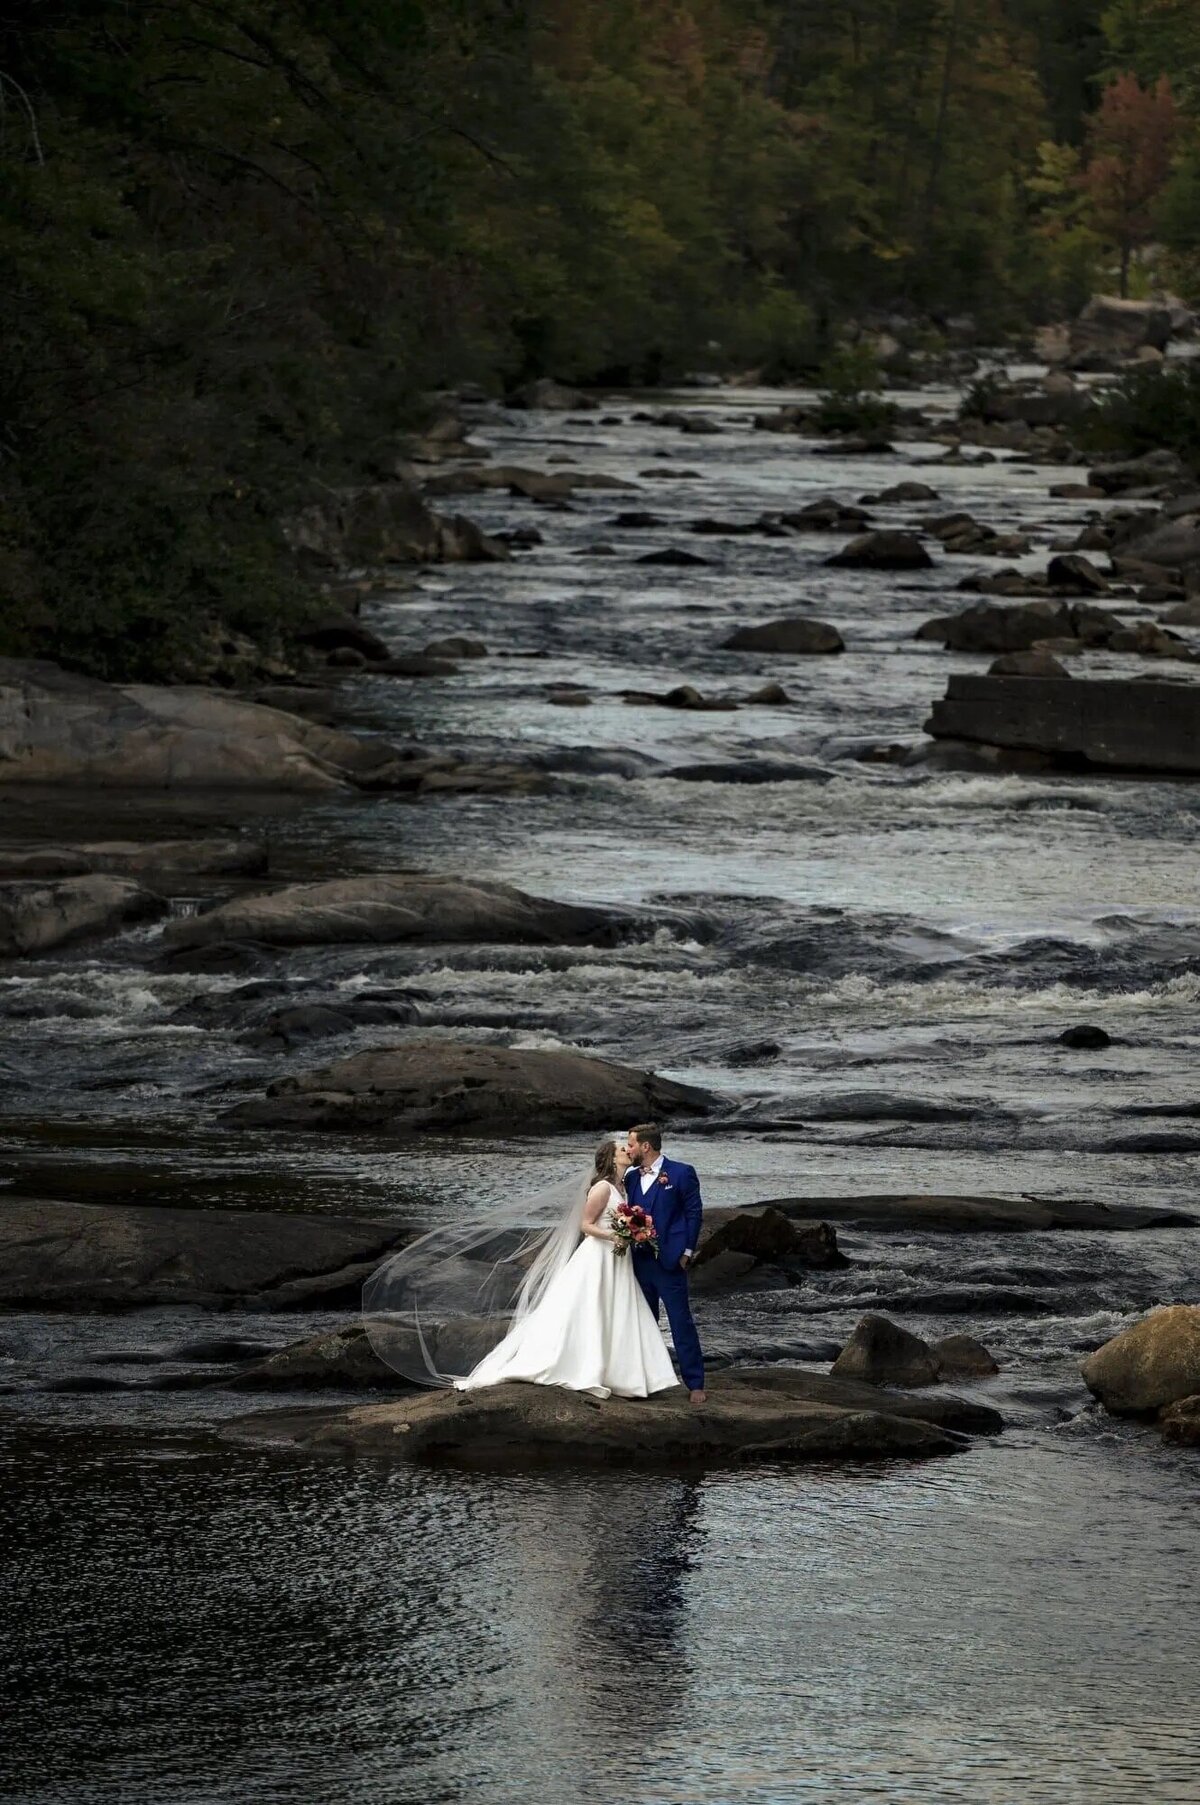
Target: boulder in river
(67, 1256)
(1180, 1422)
(962, 1357)
(883, 1353)
(1151, 473)
(37, 917)
(1085, 1035)
(515, 1426)
(767, 1234)
(1111, 724)
(438, 1085)
(798, 636)
(389, 907)
(986, 628)
(1072, 572)
(883, 550)
(1148, 1366)
(1027, 664)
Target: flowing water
(872, 963)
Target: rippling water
(873, 965)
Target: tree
(1129, 160)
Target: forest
(244, 239)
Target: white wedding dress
(592, 1330)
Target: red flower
(663, 1179)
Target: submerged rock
(914, 1210)
(36, 917)
(1086, 1035)
(1152, 1364)
(514, 1426)
(60, 1255)
(161, 859)
(427, 1085)
(387, 908)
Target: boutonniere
(663, 1179)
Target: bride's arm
(593, 1210)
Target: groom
(670, 1191)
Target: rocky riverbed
(634, 854)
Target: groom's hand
(685, 1261)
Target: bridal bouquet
(633, 1227)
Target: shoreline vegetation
(247, 246)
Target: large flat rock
(160, 859)
(1117, 724)
(440, 1085)
(392, 907)
(62, 1255)
(904, 1210)
(57, 728)
(516, 1426)
(35, 918)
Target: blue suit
(678, 1211)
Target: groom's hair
(650, 1135)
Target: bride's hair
(605, 1169)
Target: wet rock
(1152, 1364)
(902, 492)
(37, 917)
(457, 646)
(344, 632)
(826, 516)
(890, 1210)
(962, 1357)
(553, 397)
(986, 628)
(882, 1353)
(1027, 664)
(635, 520)
(798, 636)
(159, 860)
(771, 695)
(59, 1255)
(883, 550)
(567, 697)
(750, 770)
(686, 696)
(964, 536)
(416, 664)
(1180, 1422)
(1072, 571)
(1171, 545)
(765, 526)
(674, 558)
(1086, 1035)
(767, 1234)
(302, 1022)
(1108, 723)
(58, 728)
(437, 1085)
(515, 1426)
(386, 908)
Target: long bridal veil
(438, 1306)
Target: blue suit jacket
(677, 1209)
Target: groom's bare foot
(698, 1397)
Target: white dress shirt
(649, 1177)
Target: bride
(591, 1328)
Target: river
(872, 963)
